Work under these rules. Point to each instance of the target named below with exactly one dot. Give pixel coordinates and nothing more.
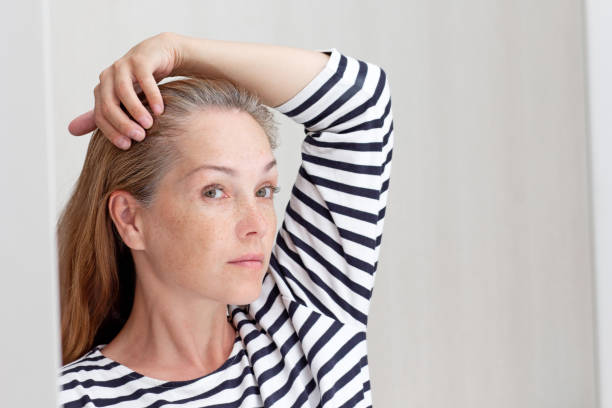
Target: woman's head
(180, 205)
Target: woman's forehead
(230, 142)
(222, 132)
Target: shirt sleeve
(327, 249)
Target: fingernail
(157, 109)
(124, 143)
(145, 121)
(137, 134)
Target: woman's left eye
(267, 191)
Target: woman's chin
(246, 294)
(246, 281)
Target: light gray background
(485, 288)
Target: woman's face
(214, 207)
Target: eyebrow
(224, 169)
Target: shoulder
(86, 359)
(88, 366)
(77, 376)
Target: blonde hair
(96, 269)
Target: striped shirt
(302, 343)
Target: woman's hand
(274, 73)
(139, 69)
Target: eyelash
(274, 190)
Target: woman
(173, 289)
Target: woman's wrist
(187, 55)
(274, 73)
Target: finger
(82, 124)
(124, 89)
(151, 90)
(108, 105)
(107, 128)
(112, 134)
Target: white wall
(29, 338)
(486, 258)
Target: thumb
(82, 124)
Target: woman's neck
(172, 337)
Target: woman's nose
(252, 221)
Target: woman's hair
(96, 269)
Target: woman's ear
(126, 214)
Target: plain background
(485, 289)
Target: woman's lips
(248, 261)
(248, 264)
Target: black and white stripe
(302, 343)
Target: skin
(182, 244)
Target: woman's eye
(267, 191)
(215, 192)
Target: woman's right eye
(213, 192)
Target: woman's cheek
(210, 235)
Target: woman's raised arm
(274, 73)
